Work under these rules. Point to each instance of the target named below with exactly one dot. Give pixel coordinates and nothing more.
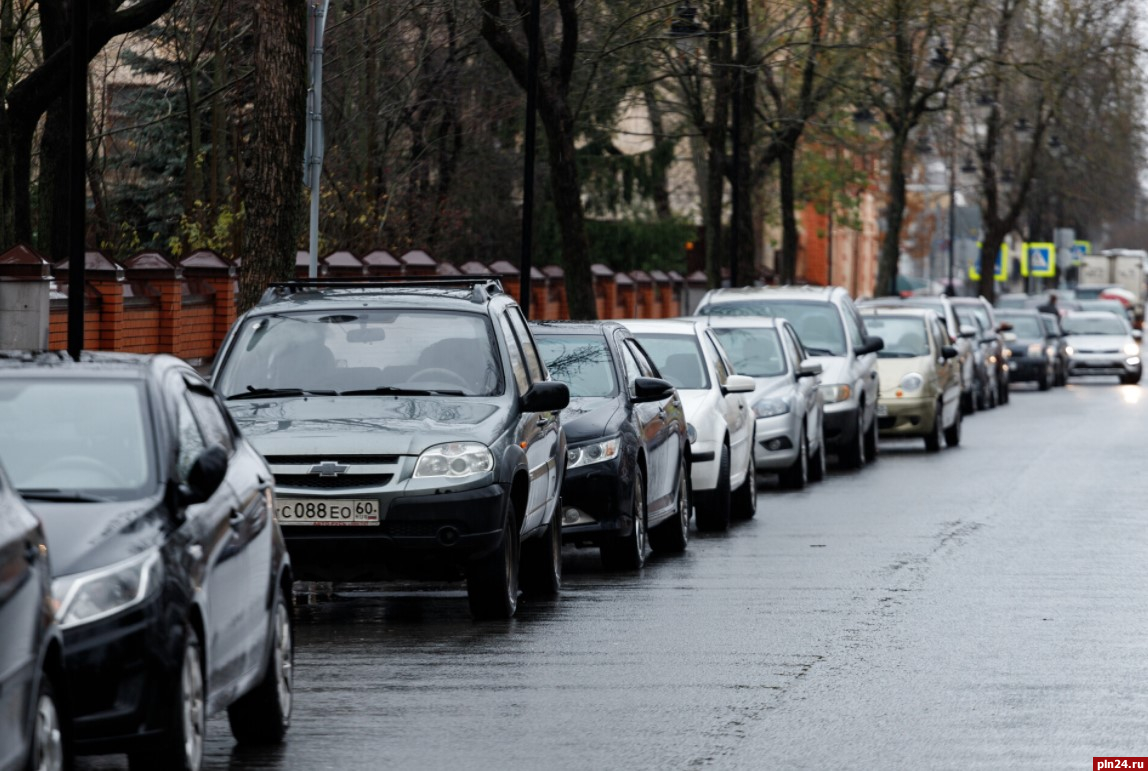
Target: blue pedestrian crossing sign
(1079, 250)
(1038, 260)
(1000, 269)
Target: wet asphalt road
(981, 608)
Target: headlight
(85, 597)
(768, 408)
(911, 382)
(691, 433)
(1068, 350)
(589, 454)
(1131, 349)
(1035, 349)
(454, 460)
(836, 392)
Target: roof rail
(482, 286)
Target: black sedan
(170, 578)
(627, 472)
(1033, 350)
(31, 708)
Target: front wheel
(47, 750)
(953, 432)
(542, 560)
(628, 552)
(673, 535)
(182, 745)
(797, 475)
(744, 501)
(871, 447)
(817, 463)
(933, 439)
(853, 455)
(263, 715)
(714, 509)
(492, 581)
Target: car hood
(588, 418)
(366, 425)
(1098, 342)
(778, 387)
(696, 402)
(87, 536)
(890, 371)
(834, 369)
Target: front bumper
(596, 503)
(912, 416)
(1027, 368)
(431, 536)
(778, 441)
(840, 425)
(1104, 364)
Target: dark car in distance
(171, 581)
(627, 458)
(1033, 356)
(32, 714)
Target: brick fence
(152, 303)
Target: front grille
(886, 423)
(311, 460)
(343, 481)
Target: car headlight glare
(454, 460)
(769, 408)
(835, 392)
(1068, 349)
(1131, 349)
(589, 454)
(911, 382)
(85, 597)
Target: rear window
(678, 358)
(753, 351)
(582, 362)
(818, 324)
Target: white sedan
(720, 421)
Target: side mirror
(1004, 326)
(739, 384)
(949, 352)
(1009, 337)
(547, 396)
(968, 332)
(206, 475)
(870, 344)
(651, 389)
(808, 369)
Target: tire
(714, 509)
(1132, 379)
(1004, 392)
(817, 463)
(492, 580)
(47, 752)
(797, 475)
(953, 432)
(1044, 382)
(872, 449)
(263, 715)
(541, 572)
(968, 402)
(933, 439)
(672, 536)
(853, 456)
(745, 497)
(182, 748)
(628, 552)
(981, 396)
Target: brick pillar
(218, 274)
(512, 282)
(154, 269)
(25, 281)
(662, 294)
(103, 302)
(557, 278)
(382, 263)
(605, 291)
(644, 295)
(673, 303)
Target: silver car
(1101, 343)
(787, 403)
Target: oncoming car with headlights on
(920, 377)
(170, 577)
(413, 431)
(1100, 343)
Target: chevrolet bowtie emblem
(329, 468)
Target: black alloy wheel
(541, 573)
(628, 552)
(492, 580)
(181, 748)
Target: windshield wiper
(397, 391)
(820, 351)
(255, 393)
(54, 494)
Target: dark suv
(413, 431)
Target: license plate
(331, 512)
(882, 410)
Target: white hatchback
(720, 421)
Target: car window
(817, 323)
(191, 441)
(904, 336)
(361, 349)
(1026, 327)
(630, 365)
(211, 421)
(517, 365)
(854, 325)
(678, 357)
(754, 351)
(940, 336)
(798, 349)
(645, 366)
(582, 362)
(526, 342)
(721, 369)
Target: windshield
(904, 336)
(1093, 325)
(966, 316)
(678, 359)
(582, 362)
(363, 351)
(754, 351)
(1025, 327)
(77, 436)
(818, 324)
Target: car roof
(463, 293)
(110, 363)
(892, 312)
(1092, 315)
(680, 326)
(739, 322)
(575, 327)
(811, 293)
(1019, 312)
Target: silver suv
(834, 336)
(412, 428)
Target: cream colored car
(919, 374)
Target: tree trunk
(715, 179)
(745, 95)
(990, 247)
(567, 192)
(662, 155)
(891, 248)
(7, 171)
(787, 267)
(53, 194)
(275, 191)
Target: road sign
(1079, 250)
(1000, 269)
(1038, 260)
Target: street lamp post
(524, 262)
(78, 119)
